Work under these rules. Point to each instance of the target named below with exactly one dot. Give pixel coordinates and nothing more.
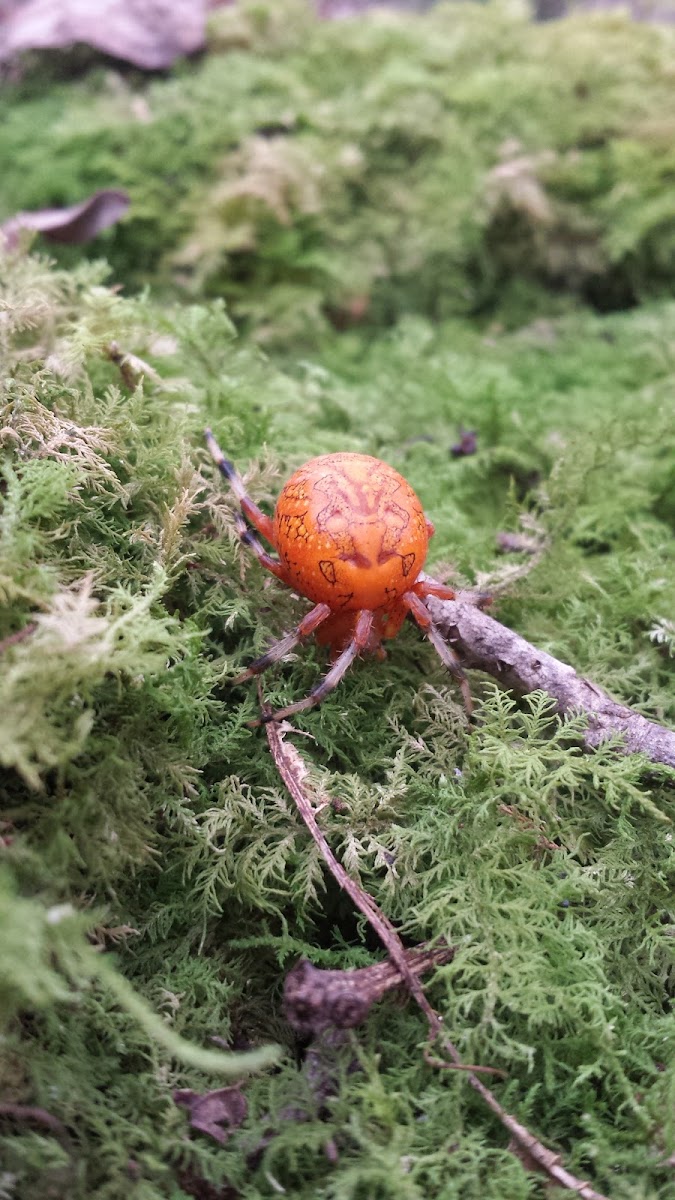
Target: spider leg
(285, 644)
(424, 619)
(357, 642)
(250, 510)
(429, 587)
(249, 539)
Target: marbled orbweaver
(351, 536)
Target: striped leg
(358, 642)
(250, 510)
(249, 539)
(285, 644)
(445, 652)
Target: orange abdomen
(350, 532)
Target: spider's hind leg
(420, 612)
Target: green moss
(354, 190)
(136, 796)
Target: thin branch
(20, 636)
(483, 644)
(30, 1115)
(294, 772)
(132, 369)
(292, 768)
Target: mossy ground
(464, 162)
(142, 815)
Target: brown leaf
(151, 34)
(74, 225)
(216, 1113)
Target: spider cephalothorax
(351, 536)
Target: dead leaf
(151, 34)
(216, 1113)
(194, 1184)
(467, 444)
(74, 225)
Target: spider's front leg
(431, 587)
(416, 606)
(263, 524)
(279, 649)
(249, 511)
(253, 514)
(358, 642)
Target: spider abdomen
(351, 536)
(350, 532)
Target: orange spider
(351, 536)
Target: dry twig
(483, 644)
(293, 771)
(28, 1114)
(132, 369)
(13, 639)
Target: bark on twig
(316, 999)
(483, 644)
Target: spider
(351, 536)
